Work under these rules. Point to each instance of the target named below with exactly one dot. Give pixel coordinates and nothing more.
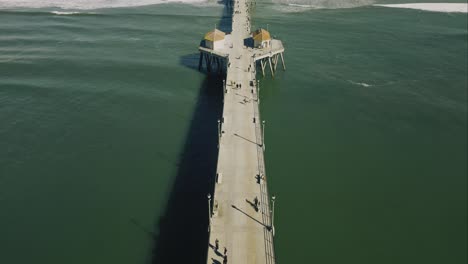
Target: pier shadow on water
(182, 230)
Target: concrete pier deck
(246, 233)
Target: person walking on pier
(216, 245)
(225, 251)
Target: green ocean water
(108, 134)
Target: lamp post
(263, 134)
(273, 215)
(209, 212)
(219, 128)
(258, 91)
(219, 132)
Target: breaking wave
(325, 4)
(61, 13)
(434, 7)
(98, 4)
(85, 4)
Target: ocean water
(108, 132)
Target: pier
(241, 211)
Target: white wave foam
(363, 84)
(325, 4)
(434, 7)
(294, 6)
(59, 13)
(86, 4)
(298, 5)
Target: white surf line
(434, 7)
(305, 6)
(88, 4)
(60, 13)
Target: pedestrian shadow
(254, 206)
(215, 261)
(216, 251)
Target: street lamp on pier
(273, 215)
(263, 134)
(219, 132)
(258, 91)
(209, 212)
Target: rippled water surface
(108, 133)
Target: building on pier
(214, 51)
(215, 39)
(262, 38)
(264, 51)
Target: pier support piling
(200, 61)
(282, 60)
(271, 67)
(215, 63)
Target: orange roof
(261, 35)
(215, 35)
